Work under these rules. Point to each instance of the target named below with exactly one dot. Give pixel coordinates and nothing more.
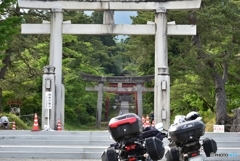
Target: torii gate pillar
(162, 79)
(56, 61)
(139, 100)
(99, 103)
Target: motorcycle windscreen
(155, 148)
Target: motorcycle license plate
(196, 158)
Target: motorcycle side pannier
(125, 126)
(172, 154)
(187, 131)
(155, 148)
(109, 155)
(209, 146)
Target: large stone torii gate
(160, 28)
(117, 79)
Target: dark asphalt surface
(23, 159)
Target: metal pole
(56, 58)
(62, 117)
(162, 80)
(99, 104)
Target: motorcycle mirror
(159, 126)
(179, 119)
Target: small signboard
(218, 128)
(14, 102)
(15, 110)
(48, 100)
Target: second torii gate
(117, 79)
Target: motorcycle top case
(187, 131)
(124, 126)
(109, 155)
(155, 148)
(209, 146)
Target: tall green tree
(216, 47)
(9, 26)
(23, 79)
(113, 65)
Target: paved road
(17, 159)
(82, 145)
(34, 159)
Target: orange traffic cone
(35, 123)
(13, 126)
(59, 128)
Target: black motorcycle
(132, 141)
(185, 143)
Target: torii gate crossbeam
(119, 5)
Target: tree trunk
(1, 97)
(236, 121)
(3, 70)
(220, 96)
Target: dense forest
(204, 69)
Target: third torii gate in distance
(117, 79)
